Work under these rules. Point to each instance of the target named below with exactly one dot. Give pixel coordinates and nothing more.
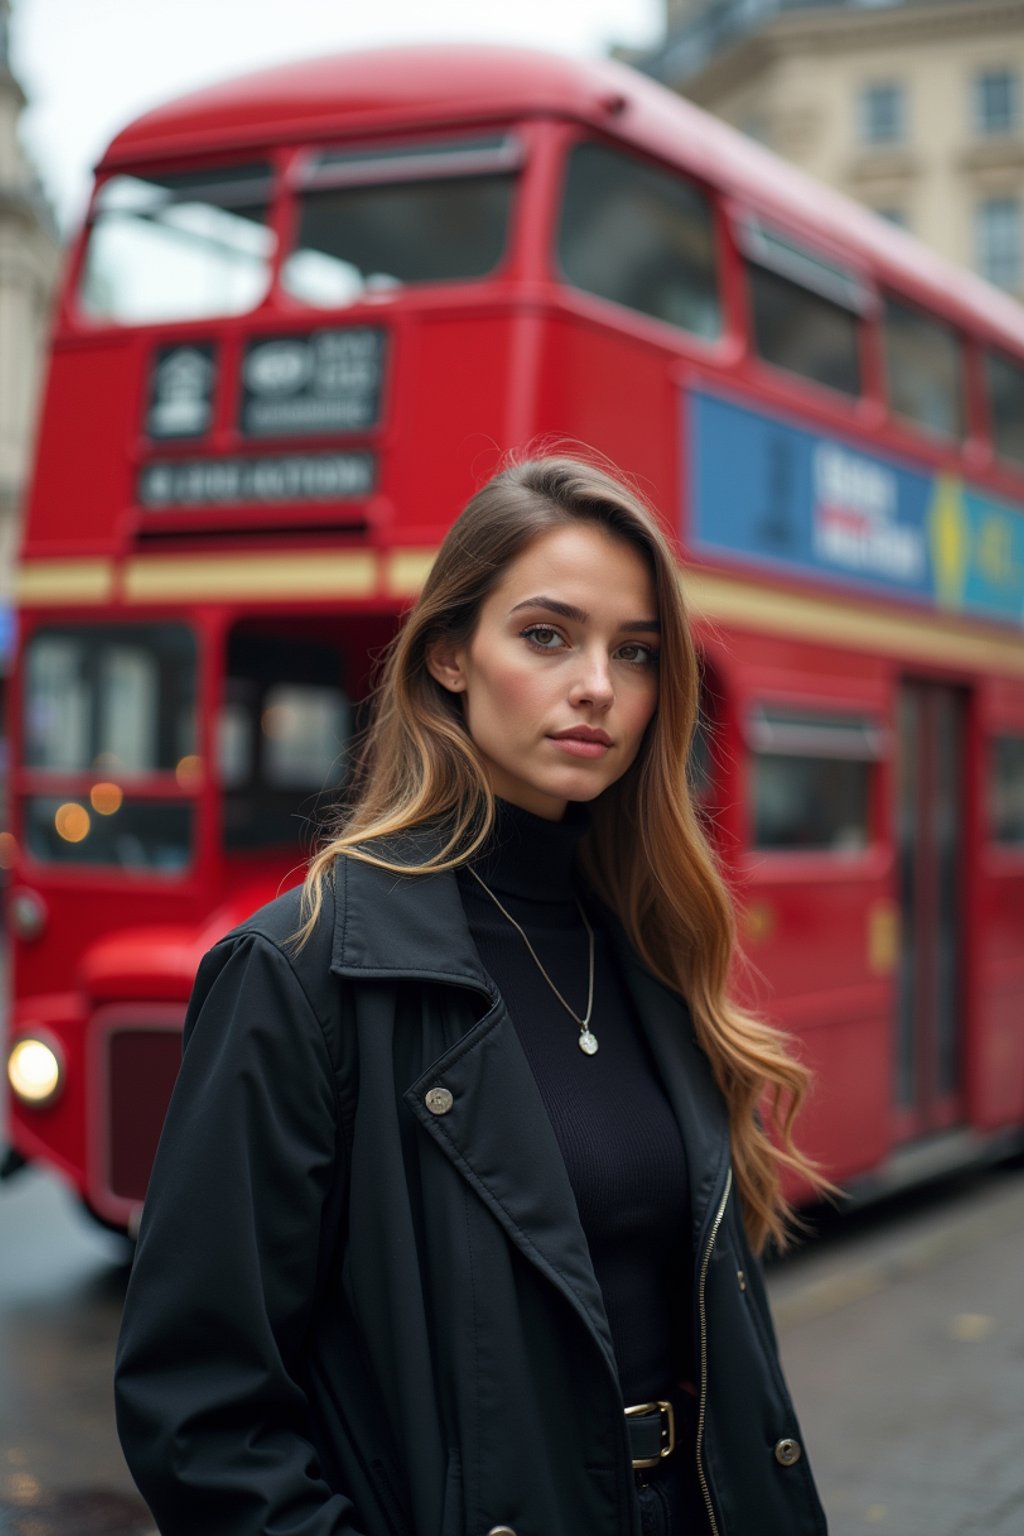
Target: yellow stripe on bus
(916, 637)
(63, 581)
(278, 575)
(712, 597)
(407, 570)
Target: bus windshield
(112, 705)
(178, 246)
(417, 213)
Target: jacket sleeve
(211, 1412)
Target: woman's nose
(593, 683)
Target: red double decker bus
(307, 313)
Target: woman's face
(560, 678)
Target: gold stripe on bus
(63, 581)
(407, 570)
(917, 637)
(279, 575)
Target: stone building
(29, 262)
(915, 107)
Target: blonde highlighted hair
(645, 852)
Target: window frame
(409, 159)
(992, 353)
(981, 122)
(166, 785)
(626, 313)
(1000, 736)
(846, 733)
(234, 191)
(983, 263)
(869, 94)
(955, 440)
(766, 243)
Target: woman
(451, 1226)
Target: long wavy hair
(645, 852)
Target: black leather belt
(652, 1432)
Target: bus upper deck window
(805, 309)
(378, 219)
(922, 370)
(1005, 380)
(178, 246)
(641, 237)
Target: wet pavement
(902, 1333)
(61, 1288)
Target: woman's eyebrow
(578, 615)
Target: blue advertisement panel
(815, 504)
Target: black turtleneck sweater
(611, 1117)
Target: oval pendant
(588, 1043)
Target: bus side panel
(89, 426)
(613, 392)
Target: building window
(997, 241)
(883, 113)
(996, 93)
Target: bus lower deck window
(811, 778)
(1006, 791)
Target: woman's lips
(576, 747)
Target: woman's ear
(444, 663)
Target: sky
(90, 66)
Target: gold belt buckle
(668, 1430)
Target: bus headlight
(35, 1070)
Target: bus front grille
(142, 1064)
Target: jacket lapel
(495, 1130)
(498, 1135)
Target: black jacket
(361, 1305)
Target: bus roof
(450, 85)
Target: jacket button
(788, 1452)
(439, 1101)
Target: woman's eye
(642, 655)
(543, 636)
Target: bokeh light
(72, 821)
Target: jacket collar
(414, 926)
(390, 926)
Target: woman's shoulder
(281, 925)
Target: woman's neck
(527, 855)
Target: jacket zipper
(702, 1314)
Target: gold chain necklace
(587, 1041)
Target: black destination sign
(298, 386)
(247, 480)
(181, 381)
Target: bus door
(929, 822)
